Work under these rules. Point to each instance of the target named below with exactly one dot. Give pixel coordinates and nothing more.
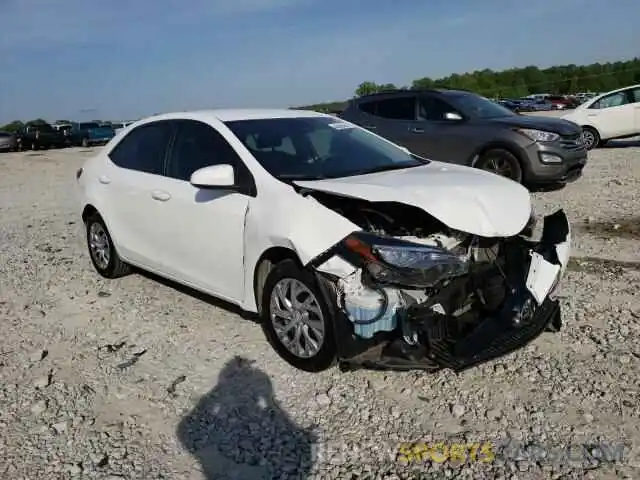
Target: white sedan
(351, 249)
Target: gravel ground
(135, 378)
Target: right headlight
(402, 263)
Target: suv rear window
(85, 126)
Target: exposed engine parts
(423, 294)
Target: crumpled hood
(463, 198)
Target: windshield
(481, 107)
(313, 148)
(88, 125)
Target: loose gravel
(140, 379)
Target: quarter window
(198, 145)
(144, 148)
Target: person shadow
(238, 430)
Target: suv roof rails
(413, 90)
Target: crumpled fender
(300, 224)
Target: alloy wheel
(499, 166)
(589, 139)
(99, 245)
(297, 318)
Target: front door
(613, 115)
(203, 237)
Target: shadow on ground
(238, 430)
(213, 301)
(632, 142)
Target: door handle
(160, 195)
(104, 179)
(417, 130)
(369, 127)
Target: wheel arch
(269, 258)
(484, 148)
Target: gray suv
(465, 128)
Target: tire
(591, 137)
(85, 143)
(112, 266)
(501, 162)
(324, 357)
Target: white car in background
(609, 116)
(348, 247)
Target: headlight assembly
(539, 135)
(397, 262)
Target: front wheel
(501, 162)
(296, 319)
(103, 253)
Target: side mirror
(215, 176)
(453, 116)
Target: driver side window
(433, 109)
(198, 145)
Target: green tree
(12, 126)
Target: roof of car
(228, 115)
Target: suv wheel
(501, 162)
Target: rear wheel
(102, 251)
(501, 162)
(591, 137)
(296, 319)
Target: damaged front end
(444, 299)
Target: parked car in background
(349, 248)
(464, 128)
(612, 115)
(117, 126)
(8, 142)
(559, 102)
(39, 136)
(90, 133)
(65, 130)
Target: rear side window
(198, 145)
(144, 148)
(614, 100)
(401, 108)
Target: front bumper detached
(529, 309)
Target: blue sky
(112, 59)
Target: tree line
(517, 82)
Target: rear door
(635, 98)
(130, 183)
(394, 118)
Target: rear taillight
(79, 173)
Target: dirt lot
(136, 379)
